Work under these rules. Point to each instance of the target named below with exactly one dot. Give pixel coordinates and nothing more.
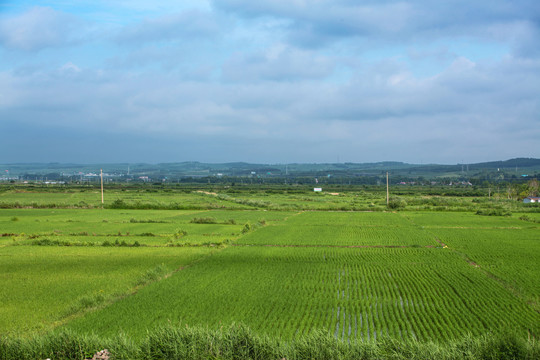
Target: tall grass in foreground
(238, 342)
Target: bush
(147, 234)
(204, 220)
(493, 212)
(117, 204)
(247, 228)
(396, 203)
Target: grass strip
(239, 342)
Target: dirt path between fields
(206, 192)
(336, 246)
(440, 242)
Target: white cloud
(38, 28)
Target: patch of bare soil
(206, 192)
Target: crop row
(351, 293)
(340, 235)
(462, 220)
(511, 255)
(42, 285)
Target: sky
(269, 81)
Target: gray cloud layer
(284, 81)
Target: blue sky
(269, 81)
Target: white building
(531, 199)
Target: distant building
(531, 199)
(317, 189)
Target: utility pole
(387, 191)
(101, 186)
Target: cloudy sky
(270, 81)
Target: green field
(349, 292)
(426, 275)
(43, 286)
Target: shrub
(203, 220)
(396, 203)
(247, 228)
(493, 212)
(117, 204)
(147, 234)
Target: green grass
(239, 342)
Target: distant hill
(502, 169)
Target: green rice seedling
(290, 287)
(41, 283)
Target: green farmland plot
(339, 235)
(463, 220)
(505, 248)
(360, 229)
(155, 227)
(355, 275)
(351, 293)
(308, 200)
(511, 255)
(42, 285)
(130, 198)
(338, 218)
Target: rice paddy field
(355, 275)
